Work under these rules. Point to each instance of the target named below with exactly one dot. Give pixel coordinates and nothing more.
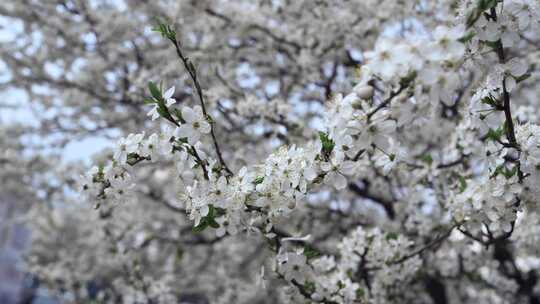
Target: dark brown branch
(387, 205)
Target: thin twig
(193, 74)
(431, 244)
(386, 101)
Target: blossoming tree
(305, 152)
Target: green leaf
(200, 228)
(163, 112)
(391, 236)
(219, 211)
(211, 211)
(191, 67)
(311, 252)
(209, 220)
(149, 101)
(182, 140)
(481, 6)
(489, 100)
(468, 37)
(523, 77)
(309, 287)
(212, 223)
(327, 143)
(492, 44)
(407, 80)
(462, 184)
(258, 180)
(427, 159)
(133, 158)
(178, 115)
(165, 30)
(495, 135)
(509, 173)
(154, 90)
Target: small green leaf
(219, 211)
(309, 287)
(407, 80)
(495, 135)
(258, 180)
(311, 252)
(489, 100)
(154, 90)
(209, 219)
(212, 223)
(492, 44)
(165, 30)
(200, 228)
(191, 67)
(149, 101)
(163, 112)
(327, 143)
(481, 6)
(462, 184)
(468, 37)
(523, 77)
(391, 236)
(133, 158)
(427, 159)
(509, 173)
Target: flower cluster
(384, 258)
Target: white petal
(347, 167)
(169, 93)
(457, 49)
(220, 232)
(517, 68)
(204, 127)
(188, 115)
(310, 173)
(326, 166)
(154, 113)
(510, 83)
(183, 131)
(340, 182)
(204, 210)
(198, 112)
(170, 101)
(338, 158)
(193, 137)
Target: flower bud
(363, 91)
(291, 205)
